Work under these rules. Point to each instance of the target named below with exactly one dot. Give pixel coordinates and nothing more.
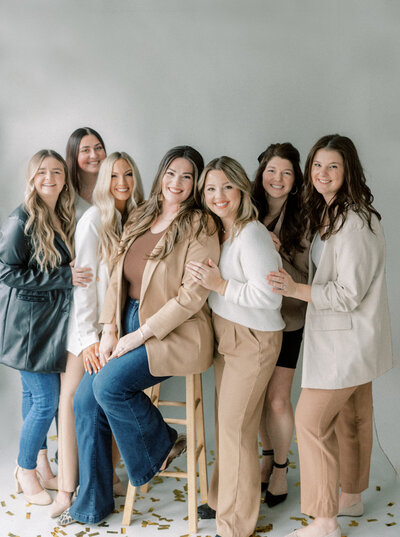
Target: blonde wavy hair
(110, 234)
(236, 175)
(141, 220)
(39, 226)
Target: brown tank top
(136, 259)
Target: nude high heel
(41, 498)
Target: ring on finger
(87, 359)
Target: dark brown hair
(73, 149)
(292, 230)
(354, 194)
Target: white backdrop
(226, 76)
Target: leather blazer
(34, 304)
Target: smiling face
(327, 173)
(221, 197)
(278, 178)
(49, 180)
(177, 181)
(122, 183)
(90, 154)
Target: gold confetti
(28, 516)
(298, 518)
(12, 496)
(353, 524)
(9, 513)
(93, 534)
(390, 514)
(111, 531)
(186, 518)
(3, 503)
(53, 438)
(155, 499)
(372, 520)
(12, 535)
(123, 531)
(264, 529)
(391, 524)
(297, 484)
(378, 488)
(151, 509)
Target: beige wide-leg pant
(67, 446)
(334, 434)
(243, 366)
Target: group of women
(211, 269)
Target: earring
(294, 192)
(66, 188)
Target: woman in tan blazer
(347, 335)
(156, 324)
(277, 195)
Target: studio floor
(163, 509)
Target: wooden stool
(196, 448)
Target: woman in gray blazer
(346, 338)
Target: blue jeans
(113, 400)
(40, 393)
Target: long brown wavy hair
(39, 226)
(292, 230)
(353, 195)
(141, 219)
(71, 155)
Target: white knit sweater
(249, 299)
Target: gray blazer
(347, 331)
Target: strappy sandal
(274, 499)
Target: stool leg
(201, 438)
(191, 453)
(129, 502)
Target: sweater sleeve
(257, 257)
(15, 268)
(85, 298)
(358, 255)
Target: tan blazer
(173, 306)
(347, 332)
(293, 311)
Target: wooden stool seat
(196, 448)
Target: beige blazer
(173, 306)
(347, 331)
(293, 311)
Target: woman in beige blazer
(347, 335)
(153, 300)
(277, 195)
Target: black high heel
(205, 512)
(274, 499)
(266, 453)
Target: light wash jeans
(113, 399)
(40, 393)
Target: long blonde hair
(110, 233)
(141, 220)
(39, 226)
(236, 175)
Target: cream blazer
(173, 306)
(347, 331)
(84, 327)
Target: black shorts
(291, 343)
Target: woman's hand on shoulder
(81, 276)
(208, 275)
(91, 358)
(283, 284)
(275, 240)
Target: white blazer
(347, 331)
(84, 327)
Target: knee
(83, 400)
(104, 391)
(278, 404)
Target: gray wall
(228, 77)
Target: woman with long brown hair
(346, 337)
(156, 324)
(36, 278)
(276, 193)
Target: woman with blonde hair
(84, 155)
(36, 278)
(118, 192)
(156, 324)
(248, 331)
(346, 335)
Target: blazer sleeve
(109, 309)
(191, 296)
(85, 298)
(15, 268)
(358, 254)
(258, 257)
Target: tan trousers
(243, 366)
(67, 446)
(328, 456)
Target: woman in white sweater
(248, 329)
(118, 191)
(346, 336)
